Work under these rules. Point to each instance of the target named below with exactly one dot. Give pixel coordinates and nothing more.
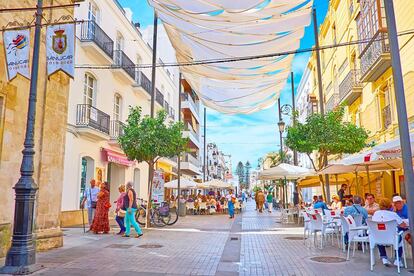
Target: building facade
(99, 102)
(359, 76)
(216, 163)
(50, 130)
(190, 113)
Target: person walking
(260, 200)
(231, 200)
(101, 220)
(269, 200)
(90, 197)
(130, 205)
(120, 212)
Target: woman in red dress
(101, 221)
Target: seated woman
(212, 204)
(384, 214)
(336, 203)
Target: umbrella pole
(336, 183)
(286, 193)
(357, 183)
(369, 181)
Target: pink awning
(116, 157)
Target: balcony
(92, 122)
(95, 40)
(190, 133)
(166, 106)
(350, 88)
(386, 116)
(159, 97)
(190, 164)
(188, 103)
(375, 58)
(142, 83)
(116, 130)
(332, 102)
(124, 67)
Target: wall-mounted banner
(60, 49)
(17, 48)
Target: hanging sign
(17, 48)
(60, 49)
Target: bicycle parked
(160, 215)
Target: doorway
(116, 176)
(87, 174)
(137, 182)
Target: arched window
(89, 90)
(117, 116)
(137, 70)
(119, 47)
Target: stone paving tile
(202, 245)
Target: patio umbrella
(185, 183)
(285, 171)
(218, 184)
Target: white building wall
(113, 22)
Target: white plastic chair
(190, 206)
(344, 231)
(385, 233)
(203, 207)
(317, 225)
(353, 236)
(306, 226)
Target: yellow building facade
(359, 75)
(50, 129)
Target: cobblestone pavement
(252, 244)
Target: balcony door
(89, 90)
(137, 70)
(117, 112)
(93, 17)
(119, 47)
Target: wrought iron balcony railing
(117, 129)
(159, 97)
(386, 116)
(87, 115)
(351, 81)
(90, 31)
(123, 61)
(332, 102)
(372, 53)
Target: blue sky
(245, 137)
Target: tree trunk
(149, 201)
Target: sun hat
(397, 198)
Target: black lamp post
(21, 257)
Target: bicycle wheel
(141, 215)
(173, 217)
(156, 219)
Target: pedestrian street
(251, 244)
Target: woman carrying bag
(119, 211)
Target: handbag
(93, 203)
(121, 213)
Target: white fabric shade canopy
(184, 184)
(285, 170)
(217, 184)
(213, 30)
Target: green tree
(240, 173)
(247, 168)
(326, 135)
(147, 139)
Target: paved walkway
(251, 244)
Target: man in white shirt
(384, 215)
(90, 196)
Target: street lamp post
(21, 257)
(401, 110)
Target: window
(334, 34)
(137, 70)
(89, 90)
(119, 46)
(368, 22)
(385, 103)
(117, 107)
(93, 12)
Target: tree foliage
(147, 139)
(240, 172)
(327, 135)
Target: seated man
(320, 204)
(383, 215)
(371, 206)
(356, 209)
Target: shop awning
(116, 157)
